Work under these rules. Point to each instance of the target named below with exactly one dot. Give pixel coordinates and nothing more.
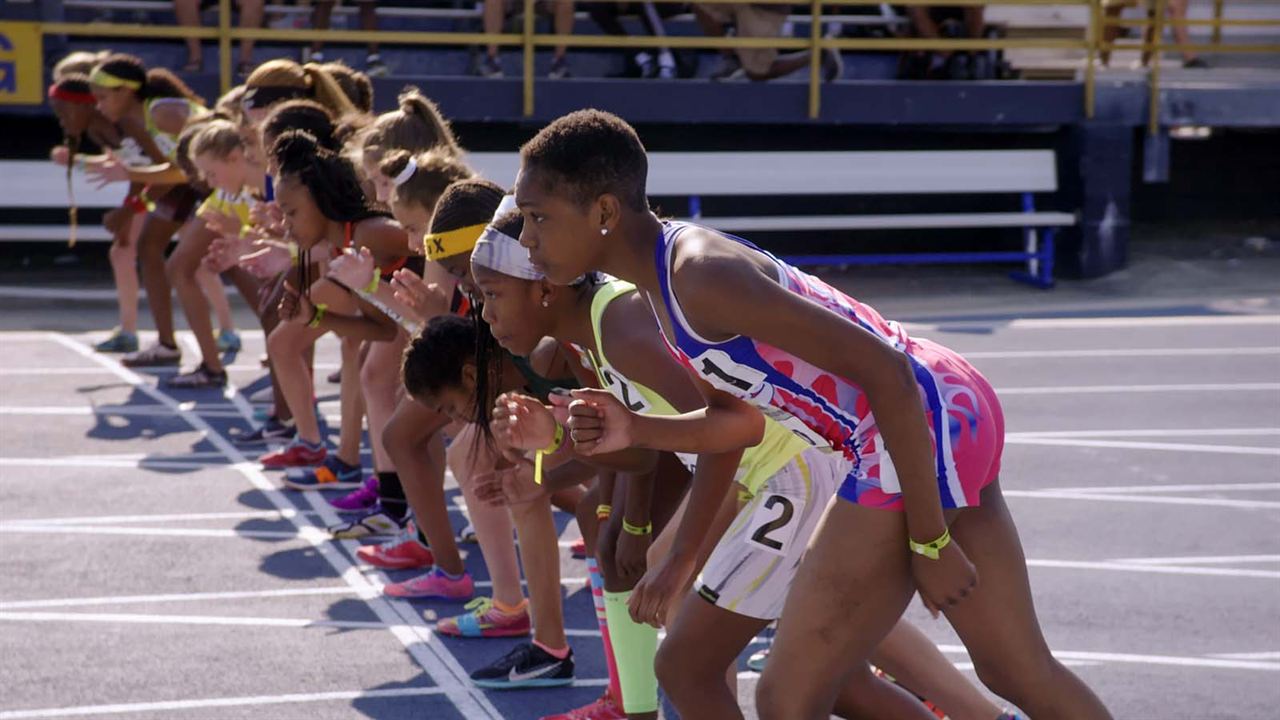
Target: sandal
(193, 66)
(201, 377)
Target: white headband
(409, 169)
(502, 253)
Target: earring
(604, 231)
(546, 303)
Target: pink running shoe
(486, 621)
(404, 552)
(434, 584)
(358, 500)
(578, 549)
(602, 709)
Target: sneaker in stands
(490, 67)
(374, 67)
(359, 500)
(433, 585)
(484, 620)
(559, 69)
(298, 453)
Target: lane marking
(221, 620)
(1176, 660)
(1120, 566)
(1147, 321)
(1121, 352)
(1132, 445)
(1125, 389)
(1204, 560)
(1248, 656)
(438, 662)
(174, 597)
(158, 532)
(1153, 499)
(1148, 432)
(103, 463)
(177, 517)
(1201, 487)
(205, 703)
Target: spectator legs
(251, 16)
(321, 19)
(188, 15)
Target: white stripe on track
(417, 638)
(177, 517)
(1152, 499)
(1148, 432)
(1125, 389)
(1120, 566)
(1201, 487)
(1063, 323)
(173, 597)
(1203, 560)
(1175, 660)
(207, 703)
(157, 532)
(1120, 352)
(1132, 445)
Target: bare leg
(692, 661)
(380, 379)
(152, 242)
(369, 20)
(124, 267)
(917, 664)
(351, 402)
(466, 457)
(321, 19)
(563, 22)
(414, 441)
(494, 13)
(540, 555)
(195, 290)
(214, 290)
(998, 623)
(287, 346)
(187, 13)
(1181, 33)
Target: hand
(661, 587)
(225, 252)
(266, 215)
(60, 155)
(295, 307)
(269, 260)
(944, 582)
(522, 422)
(352, 268)
(426, 299)
(221, 223)
(598, 422)
(108, 171)
(629, 555)
(509, 486)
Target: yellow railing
(529, 40)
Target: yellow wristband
(630, 529)
(372, 287)
(321, 309)
(603, 511)
(930, 549)
(293, 254)
(556, 443)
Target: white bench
(40, 184)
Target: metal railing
(1091, 43)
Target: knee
(281, 342)
(773, 699)
(1017, 681)
(677, 673)
(396, 435)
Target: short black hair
(588, 153)
(434, 359)
(464, 203)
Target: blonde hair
(312, 78)
(218, 138)
(230, 105)
(79, 62)
(437, 169)
(416, 126)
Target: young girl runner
(928, 514)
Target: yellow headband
(105, 79)
(455, 242)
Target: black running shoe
(527, 666)
(271, 430)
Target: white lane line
(220, 620)
(1153, 499)
(1119, 566)
(39, 371)
(1125, 389)
(157, 532)
(1145, 321)
(1248, 656)
(177, 517)
(173, 597)
(1204, 560)
(1176, 660)
(1132, 445)
(103, 463)
(1148, 432)
(206, 703)
(417, 638)
(1201, 487)
(1121, 352)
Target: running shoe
(333, 473)
(374, 523)
(272, 430)
(579, 548)
(604, 708)
(200, 378)
(486, 621)
(559, 69)
(119, 342)
(758, 659)
(433, 585)
(490, 67)
(403, 552)
(298, 453)
(155, 356)
(527, 666)
(374, 67)
(358, 500)
(467, 534)
(228, 341)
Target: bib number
(775, 522)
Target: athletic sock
(636, 646)
(558, 654)
(506, 609)
(597, 597)
(391, 495)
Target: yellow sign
(21, 64)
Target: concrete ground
(153, 571)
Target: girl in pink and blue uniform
(916, 429)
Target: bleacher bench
(1025, 173)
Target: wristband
(556, 443)
(321, 308)
(603, 511)
(293, 254)
(630, 529)
(372, 287)
(931, 549)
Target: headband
(409, 169)
(71, 96)
(439, 246)
(502, 253)
(265, 96)
(105, 79)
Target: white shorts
(751, 569)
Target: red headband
(79, 98)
